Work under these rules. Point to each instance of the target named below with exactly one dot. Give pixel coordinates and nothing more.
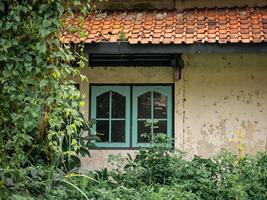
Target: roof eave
(197, 48)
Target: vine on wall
(40, 123)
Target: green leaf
(46, 23)
(43, 83)
(69, 130)
(84, 182)
(41, 47)
(50, 100)
(84, 151)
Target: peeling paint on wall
(225, 94)
(217, 96)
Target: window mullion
(110, 112)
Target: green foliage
(155, 164)
(122, 36)
(162, 173)
(41, 128)
(40, 124)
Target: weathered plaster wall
(124, 75)
(223, 94)
(216, 96)
(117, 75)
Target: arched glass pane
(118, 131)
(144, 106)
(102, 130)
(102, 105)
(159, 106)
(118, 105)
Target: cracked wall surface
(217, 97)
(224, 95)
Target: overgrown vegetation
(41, 128)
(40, 124)
(162, 173)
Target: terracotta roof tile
(221, 25)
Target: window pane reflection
(102, 104)
(118, 131)
(102, 129)
(161, 127)
(159, 106)
(144, 106)
(118, 105)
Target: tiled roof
(218, 25)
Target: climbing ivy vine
(40, 123)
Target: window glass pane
(159, 106)
(102, 104)
(144, 106)
(118, 105)
(143, 132)
(118, 131)
(102, 129)
(160, 127)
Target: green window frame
(152, 91)
(110, 90)
(132, 120)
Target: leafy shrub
(40, 124)
(161, 172)
(41, 128)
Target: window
(151, 103)
(111, 110)
(121, 112)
